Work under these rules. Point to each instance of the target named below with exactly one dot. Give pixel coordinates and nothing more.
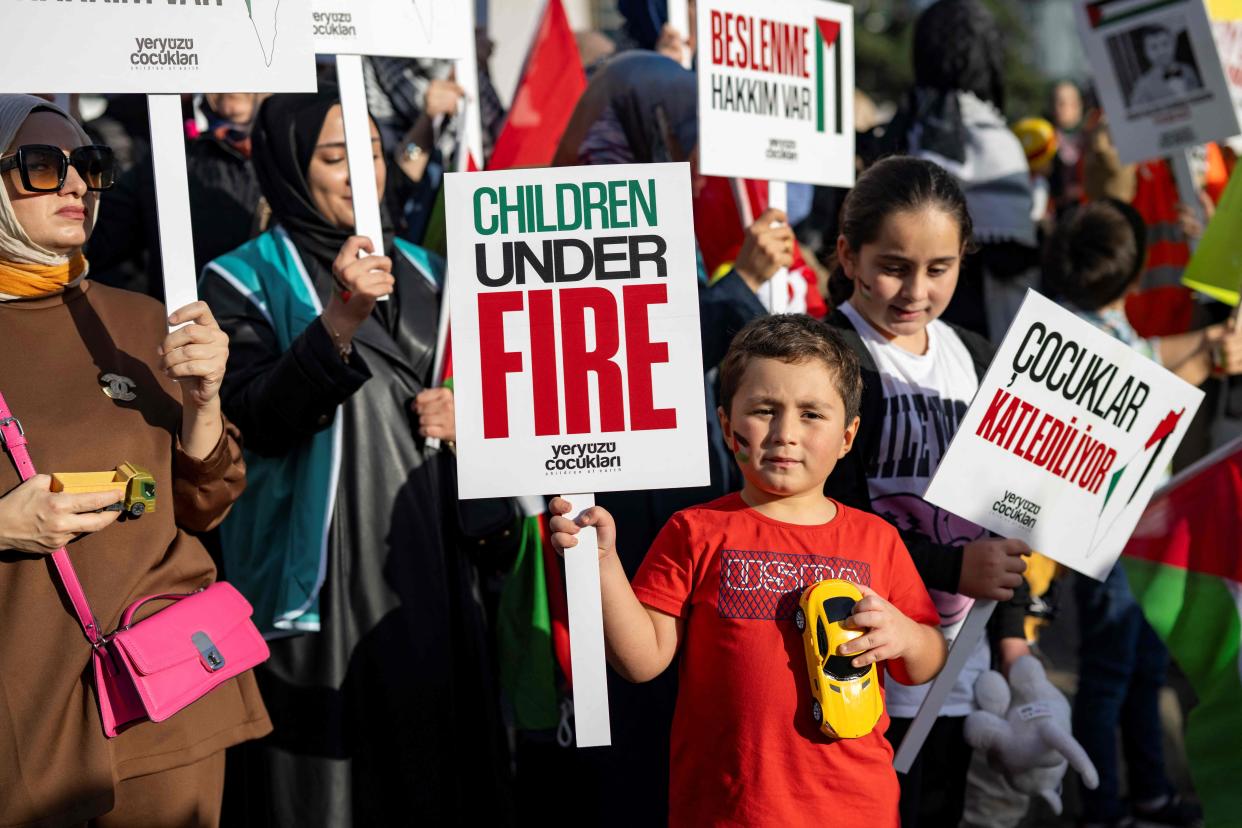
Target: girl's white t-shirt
(925, 398)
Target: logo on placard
(334, 24)
(568, 458)
(164, 53)
(1012, 506)
(782, 149)
(829, 106)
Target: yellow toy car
(845, 700)
(134, 487)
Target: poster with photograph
(165, 47)
(1158, 75)
(577, 361)
(776, 90)
(393, 28)
(1068, 437)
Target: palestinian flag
(829, 94)
(524, 628)
(1120, 497)
(1184, 563)
(1108, 12)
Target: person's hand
(442, 97)
(1194, 221)
(671, 44)
(196, 354)
(359, 283)
(565, 531)
(1225, 344)
(889, 633)
(992, 568)
(767, 246)
(436, 417)
(35, 519)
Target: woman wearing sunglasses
(97, 381)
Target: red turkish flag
(552, 81)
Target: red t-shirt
(745, 750)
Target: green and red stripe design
(828, 39)
(1185, 569)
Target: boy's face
(786, 427)
(1159, 48)
(905, 278)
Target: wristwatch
(412, 151)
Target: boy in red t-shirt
(722, 580)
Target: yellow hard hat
(1039, 140)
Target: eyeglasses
(43, 167)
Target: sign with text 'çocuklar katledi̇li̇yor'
(157, 46)
(776, 90)
(577, 360)
(1069, 435)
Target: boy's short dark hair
(1096, 253)
(792, 337)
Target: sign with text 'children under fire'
(157, 46)
(577, 362)
(1069, 435)
(776, 90)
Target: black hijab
(286, 132)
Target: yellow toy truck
(845, 700)
(134, 487)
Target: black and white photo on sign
(1155, 65)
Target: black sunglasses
(43, 167)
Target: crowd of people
(287, 425)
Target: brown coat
(56, 766)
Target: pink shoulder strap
(14, 439)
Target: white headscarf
(15, 245)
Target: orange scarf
(29, 281)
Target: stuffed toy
(1024, 728)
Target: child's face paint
(787, 429)
(905, 278)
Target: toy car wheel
(817, 712)
(800, 619)
(137, 509)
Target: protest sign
(1068, 437)
(776, 90)
(390, 28)
(396, 28)
(1158, 75)
(162, 49)
(577, 363)
(208, 46)
(576, 351)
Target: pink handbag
(156, 666)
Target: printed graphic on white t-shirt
(925, 398)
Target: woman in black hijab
(350, 547)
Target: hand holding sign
(992, 568)
(360, 282)
(767, 247)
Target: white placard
(162, 46)
(776, 90)
(1156, 70)
(594, 381)
(1066, 440)
(395, 28)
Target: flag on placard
(552, 81)
(829, 111)
(1107, 12)
(1184, 568)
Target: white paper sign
(1158, 75)
(776, 90)
(577, 362)
(160, 46)
(396, 28)
(1069, 435)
